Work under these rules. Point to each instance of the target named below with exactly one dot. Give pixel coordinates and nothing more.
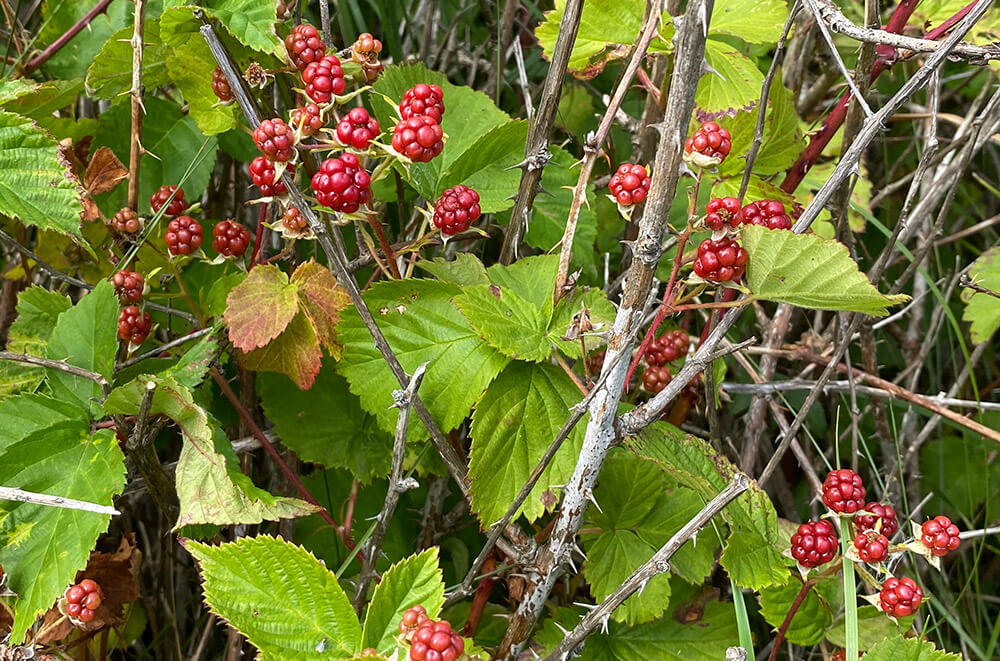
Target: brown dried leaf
(104, 172)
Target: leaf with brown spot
(104, 172)
(322, 300)
(260, 308)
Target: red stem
(481, 599)
(258, 240)
(783, 629)
(345, 532)
(54, 47)
(269, 447)
(390, 256)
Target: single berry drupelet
(668, 348)
(342, 184)
(721, 212)
(221, 87)
(710, 140)
(83, 599)
(230, 239)
(304, 46)
(126, 221)
(655, 378)
(766, 213)
(275, 139)
(262, 173)
(307, 120)
(940, 535)
(720, 261)
(324, 79)
(183, 235)
(879, 512)
(425, 100)
(814, 543)
(456, 209)
(435, 641)
(129, 286)
(160, 197)
(900, 597)
(293, 221)
(872, 546)
(418, 138)
(134, 325)
(413, 617)
(629, 184)
(843, 491)
(357, 129)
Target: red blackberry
(84, 598)
(418, 138)
(710, 141)
(630, 184)
(307, 120)
(814, 543)
(275, 139)
(183, 235)
(134, 325)
(324, 78)
(655, 378)
(426, 100)
(262, 173)
(413, 617)
(129, 286)
(126, 221)
(457, 208)
(304, 46)
(160, 197)
(843, 491)
(229, 238)
(766, 213)
(940, 535)
(668, 348)
(720, 261)
(221, 87)
(357, 129)
(366, 49)
(900, 597)
(879, 512)
(872, 546)
(294, 222)
(435, 641)
(721, 212)
(342, 184)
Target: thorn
(589, 495)
(642, 585)
(604, 624)
(561, 628)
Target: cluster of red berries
(159, 198)
(630, 184)
(900, 597)
(127, 221)
(430, 640)
(423, 100)
(293, 222)
(418, 135)
(655, 378)
(307, 119)
(129, 286)
(83, 599)
(357, 129)
(940, 535)
(342, 183)
(134, 324)
(843, 491)
(275, 139)
(183, 236)
(221, 87)
(721, 212)
(324, 78)
(882, 519)
(304, 46)
(262, 172)
(667, 348)
(722, 260)
(230, 239)
(710, 141)
(366, 51)
(872, 546)
(457, 208)
(814, 543)
(766, 213)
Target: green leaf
(110, 73)
(489, 166)
(25, 414)
(599, 309)
(734, 86)
(260, 307)
(250, 21)
(36, 185)
(192, 367)
(531, 278)
(421, 324)
(751, 553)
(72, 59)
(414, 580)
(506, 321)
(512, 427)
(42, 548)
(295, 353)
(465, 269)
(873, 627)
(782, 140)
(810, 272)
(37, 311)
(85, 336)
(811, 619)
(982, 311)
(753, 21)
(326, 424)
(16, 88)
(897, 648)
(280, 597)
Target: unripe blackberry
(160, 197)
(134, 325)
(655, 378)
(709, 141)
(766, 213)
(426, 100)
(721, 212)
(275, 139)
(342, 184)
(129, 286)
(366, 49)
(183, 235)
(324, 79)
(457, 208)
(221, 87)
(668, 348)
(294, 223)
(940, 535)
(126, 221)
(262, 173)
(307, 119)
(83, 599)
(871, 546)
(630, 184)
(720, 261)
(879, 512)
(230, 239)
(900, 597)
(304, 46)
(843, 491)
(357, 129)
(814, 543)
(419, 138)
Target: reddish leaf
(296, 353)
(103, 172)
(322, 300)
(260, 307)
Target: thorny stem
(65, 38)
(135, 136)
(787, 622)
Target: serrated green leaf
(37, 311)
(751, 553)
(85, 336)
(982, 311)
(810, 272)
(873, 627)
(465, 269)
(530, 278)
(280, 597)
(811, 619)
(782, 140)
(733, 87)
(753, 21)
(326, 425)
(25, 414)
(190, 370)
(421, 324)
(46, 98)
(601, 313)
(72, 59)
(897, 648)
(250, 21)
(260, 307)
(411, 581)
(507, 322)
(489, 166)
(36, 184)
(36, 552)
(16, 88)
(110, 73)
(512, 427)
(611, 558)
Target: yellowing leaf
(295, 353)
(322, 300)
(260, 307)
